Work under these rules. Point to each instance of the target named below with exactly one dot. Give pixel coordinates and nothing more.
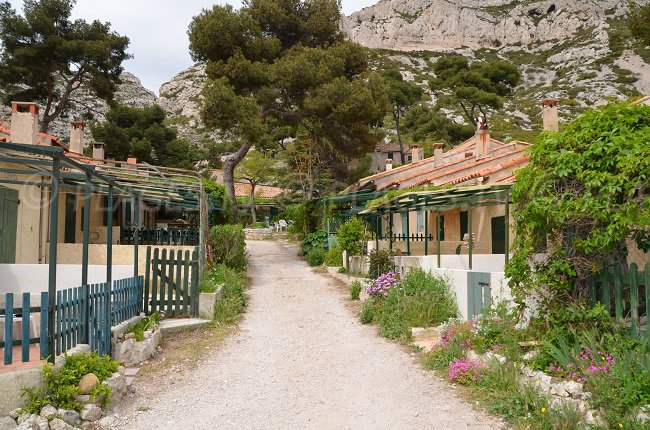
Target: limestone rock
(59, 424)
(91, 412)
(15, 413)
(70, 416)
(7, 423)
(26, 422)
(49, 412)
(118, 385)
(489, 356)
(88, 383)
(40, 423)
(130, 352)
(25, 417)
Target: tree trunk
(253, 211)
(229, 163)
(311, 186)
(398, 116)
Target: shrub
(381, 286)
(380, 262)
(351, 235)
(334, 257)
(367, 312)
(228, 246)
(233, 302)
(303, 217)
(317, 239)
(355, 290)
(316, 257)
(147, 323)
(62, 385)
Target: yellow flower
(543, 410)
(620, 425)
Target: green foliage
(142, 133)
(256, 168)
(351, 235)
(146, 323)
(424, 123)
(233, 302)
(62, 385)
(367, 314)
(497, 330)
(45, 56)
(316, 257)
(380, 262)
(316, 240)
(281, 69)
(639, 23)
(422, 300)
(480, 84)
(303, 215)
(334, 257)
(228, 246)
(355, 290)
(584, 192)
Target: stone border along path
(300, 360)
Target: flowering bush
(590, 363)
(458, 332)
(382, 285)
(466, 371)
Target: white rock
(7, 423)
(489, 356)
(59, 424)
(91, 412)
(530, 355)
(26, 417)
(49, 412)
(15, 413)
(40, 423)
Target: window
(405, 223)
(389, 156)
(420, 222)
(464, 225)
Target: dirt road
(301, 360)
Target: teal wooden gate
(8, 225)
(479, 293)
(171, 282)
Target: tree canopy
(277, 68)
(46, 57)
(639, 22)
(474, 86)
(425, 122)
(142, 133)
(402, 95)
(582, 197)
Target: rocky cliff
(87, 107)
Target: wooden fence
(161, 236)
(81, 315)
(172, 282)
(625, 293)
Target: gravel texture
(301, 360)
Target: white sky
(157, 30)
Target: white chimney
(437, 154)
(417, 154)
(389, 165)
(24, 122)
(98, 150)
(550, 115)
(77, 137)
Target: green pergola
(440, 201)
(50, 167)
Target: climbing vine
(580, 201)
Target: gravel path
(301, 360)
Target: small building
(388, 153)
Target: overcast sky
(157, 29)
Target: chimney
(437, 154)
(482, 143)
(549, 115)
(24, 122)
(389, 165)
(77, 137)
(417, 154)
(98, 150)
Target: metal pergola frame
(440, 201)
(174, 187)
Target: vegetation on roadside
(352, 234)
(228, 246)
(62, 385)
(334, 257)
(147, 323)
(418, 300)
(355, 290)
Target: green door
(8, 225)
(70, 218)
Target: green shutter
(8, 225)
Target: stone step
(171, 326)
